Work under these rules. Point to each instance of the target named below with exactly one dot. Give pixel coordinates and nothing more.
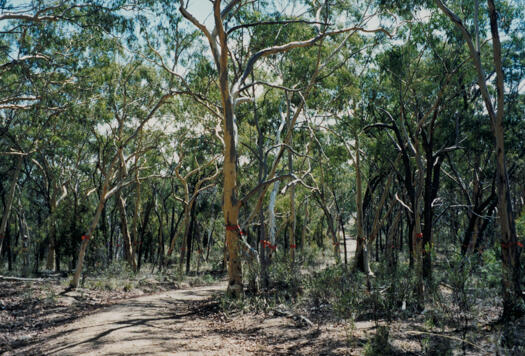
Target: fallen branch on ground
(289, 314)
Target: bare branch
(204, 30)
(403, 203)
(264, 184)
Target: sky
(202, 10)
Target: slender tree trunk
(342, 225)
(391, 244)
(272, 229)
(377, 217)
(293, 243)
(361, 252)
(24, 231)
(50, 262)
(187, 231)
(511, 288)
(85, 241)
(121, 205)
(210, 239)
(93, 225)
(174, 232)
(128, 253)
(134, 224)
(10, 198)
(9, 247)
(160, 253)
(265, 280)
(433, 172)
(189, 239)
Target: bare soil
(177, 322)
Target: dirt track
(184, 322)
(160, 324)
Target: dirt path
(185, 322)
(160, 324)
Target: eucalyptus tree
(42, 39)
(131, 97)
(58, 159)
(233, 82)
(513, 299)
(201, 180)
(43, 44)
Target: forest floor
(184, 321)
(39, 317)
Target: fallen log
(20, 279)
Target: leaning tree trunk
(93, 225)
(87, 237)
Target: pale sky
(202, 10)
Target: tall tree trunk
(187, 231)
(291, 238)
(272, 228)
(511, 288)
(377, 217)
(9, 242)
(128, 253)
(24, 231)
(174, 232)
(121, 205)
(433, 172)
(190, 238)
(53, 260)
(50, 262)
(231, 204)
(342, 225)
(135, 222)
(391, 244)
(93, 225)
(10, 198)
(361, 252)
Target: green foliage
(285, 278)
(344, 295)
(520, 226)
(89, 79)
(379, 344)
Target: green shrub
(379, 344)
